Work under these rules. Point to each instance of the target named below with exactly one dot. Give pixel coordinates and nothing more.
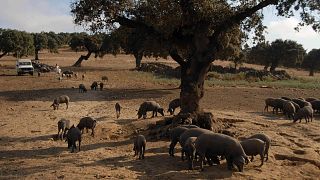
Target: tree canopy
(138, 42)
(312, 61)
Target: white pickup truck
(24, 66)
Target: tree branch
(240, 16)
(138, 24)
(235, 19)
(176, 57)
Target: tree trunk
(192, 90)
(235, 67)
(311, 72)
(3, 54)
(82, 57)
(36, 54)
(138, 57)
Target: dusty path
(28, 125)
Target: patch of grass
(156, 79)
(231, 80)
(166, 80)
(300, 83)
(218, 82)
(227, 76)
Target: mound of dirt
(251, 73)
(160, 69)
(262, 75)
(41, 67)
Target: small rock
(98, 176)
(61, 177)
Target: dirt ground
(28, 149)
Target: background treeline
(285, 53)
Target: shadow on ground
(166, 167)
(105, 95)
(53, 151)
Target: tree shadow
(124, 121)
(32, 153)
(85, 69)
(21, 172)
(109, 144)
(291, 123)
(106, 95)
(8, 75)
(162, 166)
(53, 151)
(267, 115)
(103, 118)
(7, 139)
(156, 150)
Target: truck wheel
(31, 73)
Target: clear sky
(54, 15)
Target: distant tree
(19, 43)
(26, 46)
(259, 54)
(52, 45)
(76, 42)
(193, 32)
(40, 41)
(139, 43)
(56, 41)
(232, 50)
(287, 53)
(92, 43)
(312, 61)
(8, 41)
(64, 38)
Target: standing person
(58, 70)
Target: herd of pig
(196, 143)
(212, 147)
(294, 108)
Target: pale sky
(54, 15)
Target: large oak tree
(312, 61)
(192, 31)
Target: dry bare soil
(29, 150)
